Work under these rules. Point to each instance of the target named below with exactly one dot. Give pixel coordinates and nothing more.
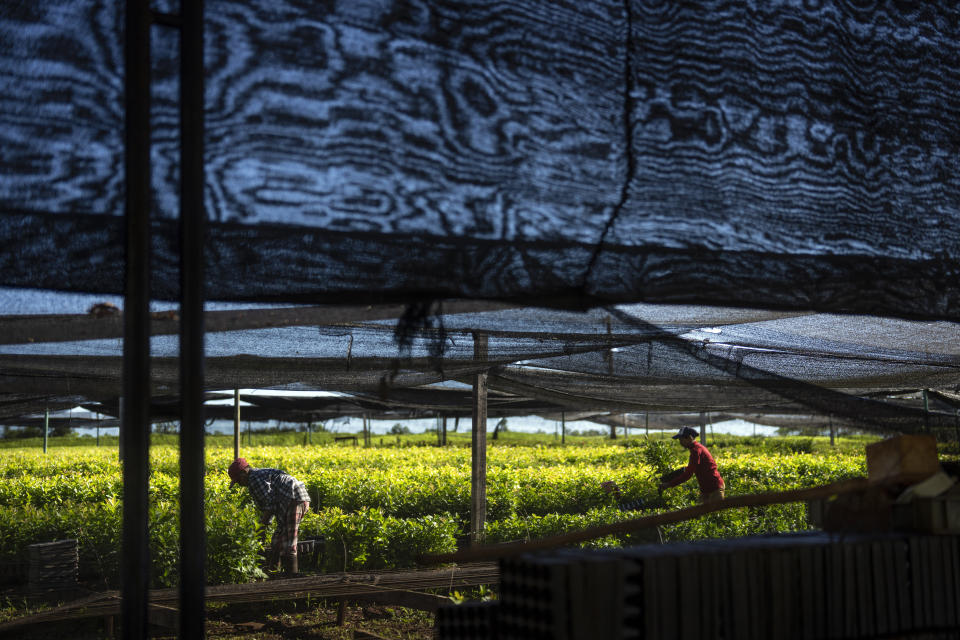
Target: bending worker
(276, 494)
(702, 464)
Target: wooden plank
(626, 526)
(21, 329)
(403, 598)
(345, 585)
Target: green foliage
(368, 539)
(659, 455)
(381, 507)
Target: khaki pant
(713, 496)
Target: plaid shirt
(272, 490)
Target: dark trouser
(284, 541)
(713, 496)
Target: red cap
(235, 469)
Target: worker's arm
(686, 475)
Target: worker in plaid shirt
(276, 494)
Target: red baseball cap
(236, 467)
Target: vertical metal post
(309, 431)
(46, 428)
(478, 444)
(236, 423)
(135, 416)
(926, 412)
(563, 427)
(646, 424)
(444, 427)
(98, 428)
(626, 432)
(193, 218)
(833, 433)
(120, 415)
(703, 428)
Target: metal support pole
(626, 432)
(563, 427)
(193, 218)
(46, 428)
(444, 426)
(135, 417)
(646, 424)
(122, 419)
(926, 412)
(833, 432)
(478, 451)
(703, 428)
(98, 428)
(236, 423)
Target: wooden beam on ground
(493, 552)
(411, 599)
(478, 450)
(382, 586)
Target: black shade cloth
(776, 155)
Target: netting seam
(628, 126)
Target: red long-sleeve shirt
(702, 464)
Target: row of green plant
(382, 508)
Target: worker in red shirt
(701, 464)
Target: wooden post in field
(98, 428)
(478, 446)
(646, 424)
(833, 433)
(444, 431)
(703, 428)
(236, 423)
(46, 428)
(563, 427)
(626, 432)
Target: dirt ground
(277, 620)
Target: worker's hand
(610, 487)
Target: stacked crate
(468, 621)
(52, 565)
(803, 586)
